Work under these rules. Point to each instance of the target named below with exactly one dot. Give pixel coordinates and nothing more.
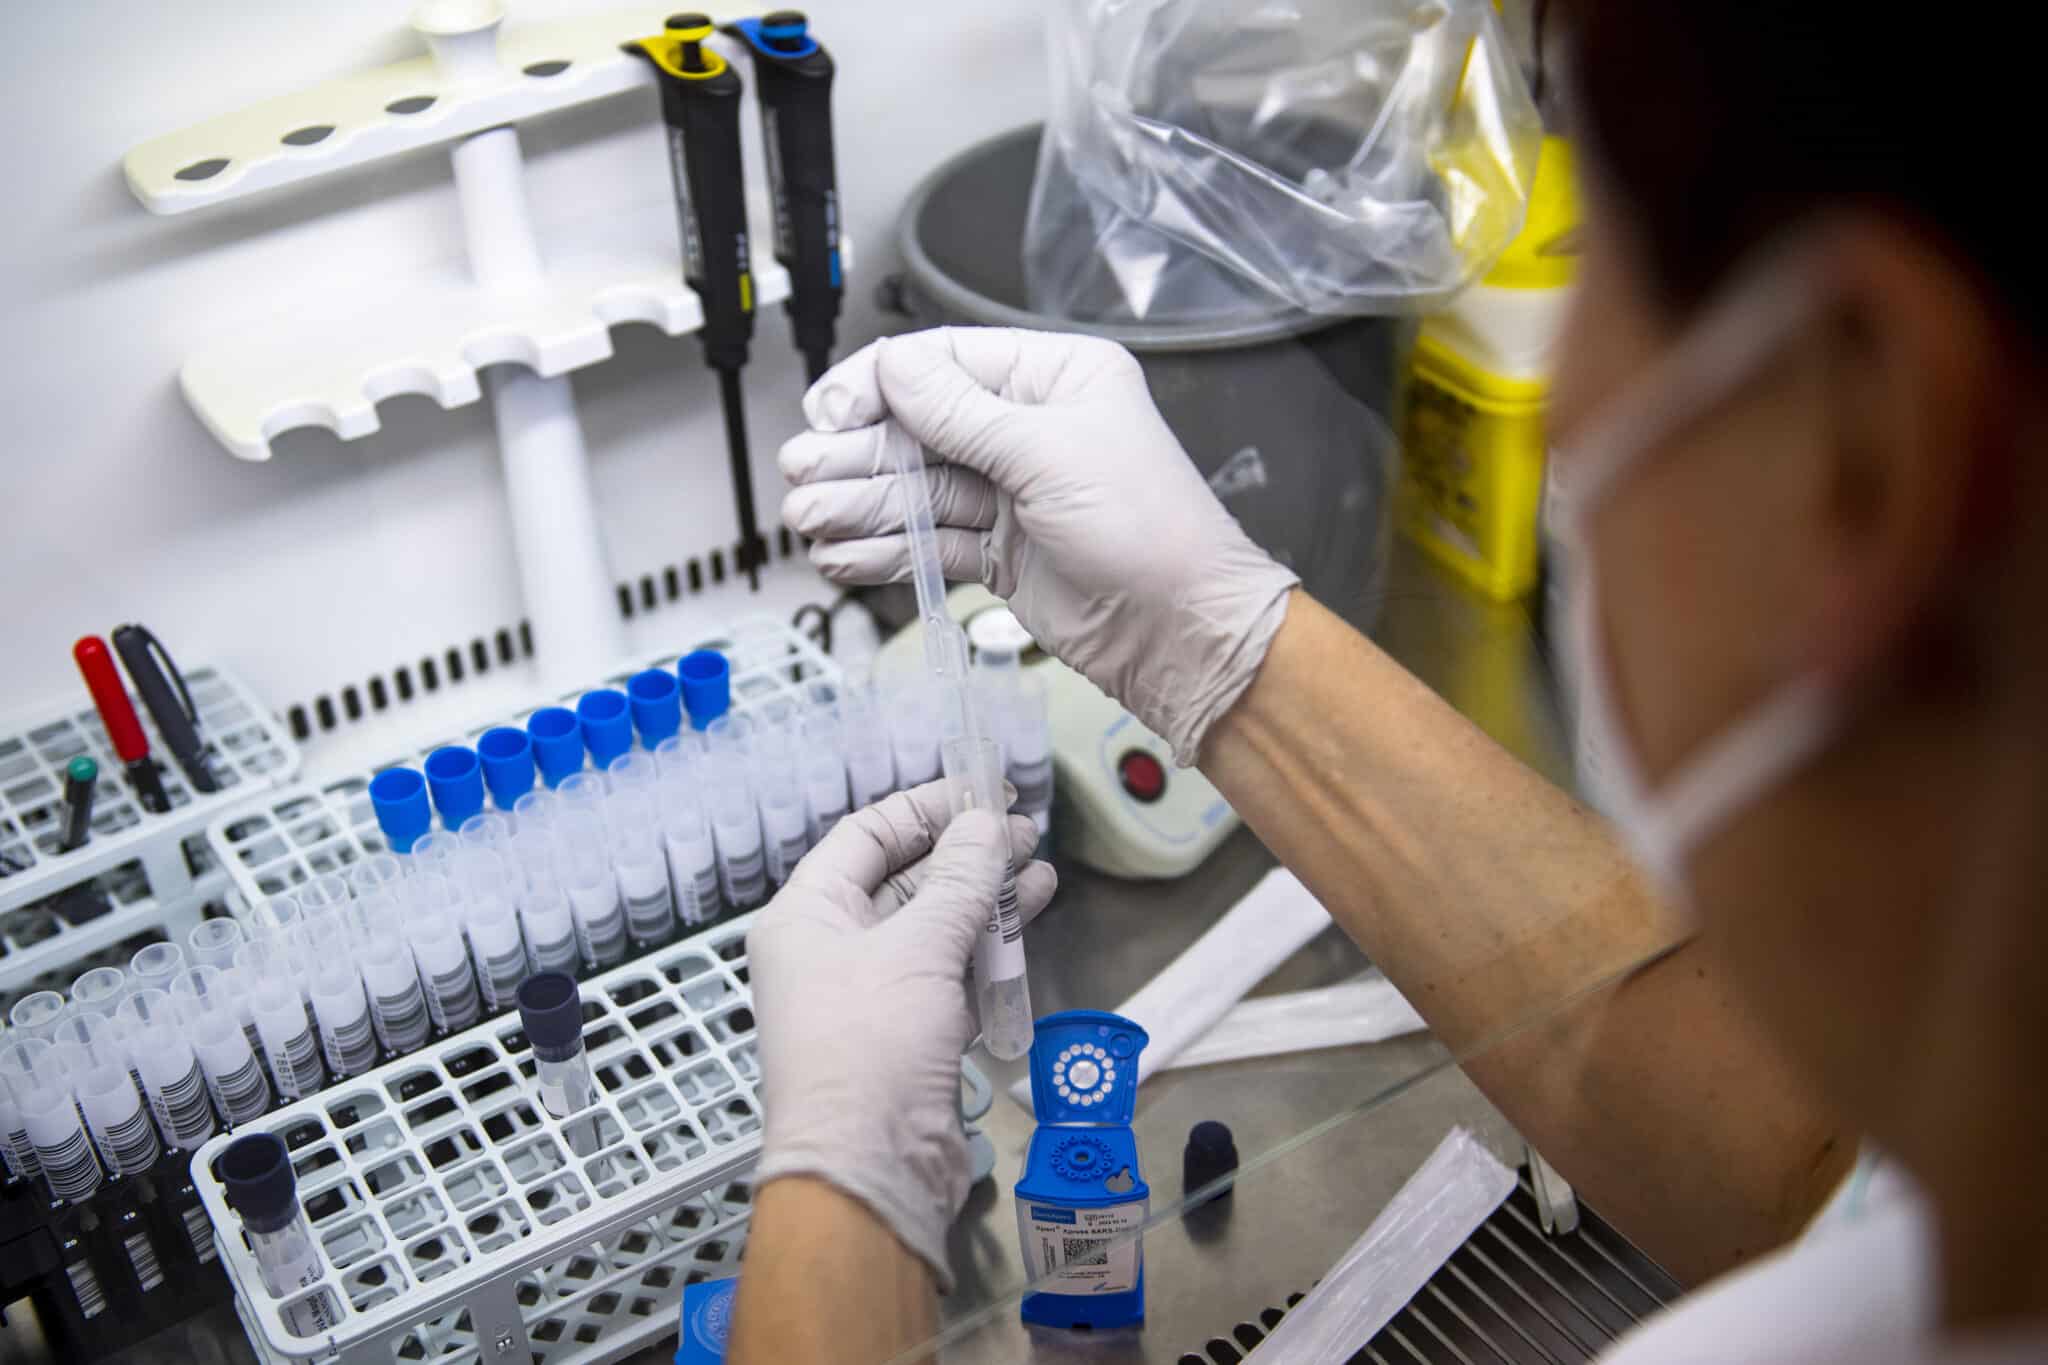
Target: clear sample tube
(633, 773)
(433, 926)
(735, 830)
(549, 921)
(271, 979)
(641, 864)
(15, 1143)
(436, 852)
(100, 990)
(822, 760)
(975, 774)
(121, 1127)
(208, 1003)
(915, 729)
(584, 792)
(378, 874)
(274, 916)
(324, 899)
(154, 965)
(162, 1055)
(870, 757)
(583, 866)
(678, 755)
(1014, 700)
(535, 811)
(212, 943)
(487, 829)
(35, 1015)
(38, 1079)
(692, 858)
(257, 1179)
(398, 1003)
(551, 1011)
(492, 914)
(779, 793)
(341, 1007)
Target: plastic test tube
(153, 966)
(100, 990)
(256, 1176)
(34, 1071)
(93, 1052)
(545, 916)
(638, 857)
(822, 759)
(212, 943)
(779, 792)
(914, 733)
(341, 1008)
(735, 826)
(493, 918)
(1014, 700)
(551, 1011)
(686, 836)
(390, 976)
(162, 1056)
(974, 769)
(323, 899)
(207, 1001)
(35, 1015)
(583, 791)
(271, 978)
(433, 926)
(870, 758)
(15, 1147)
(583, 864)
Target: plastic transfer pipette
(973, 763)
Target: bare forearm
(1490, 897)
(825, 1280)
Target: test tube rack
(455, 1220)
(328, 361)
(140, 870)
(310, 829)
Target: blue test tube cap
(507, 758)
(607, 729)
(557, 743)
(399, 797)
(707, 686)
(455, 779)
(657, 705)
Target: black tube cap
(256, 1173)
(1211, 1152)
(552, 1012)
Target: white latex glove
(1058, 485)
(861, 998)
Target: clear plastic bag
(1213, 159)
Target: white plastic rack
(306, 830)
(138, 866)
(457, 1221)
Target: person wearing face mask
(1799, 415)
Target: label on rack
(142, 1256)
(1075, 1251)
(85, 1287)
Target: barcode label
(452, 998)
(697, 893)
(21, 1154)
(351, 1048)
(297, 1066)
(130, 1145)
(784, 856)
(1006, 920)
(1033, 782)
(401, 1018)
(142, 1256)
(501, 974)
(743, 880)
(85, 1287)
(242, 1094)
(1085, 1251)
(604, 943)
(652, 916)
(199, 1231)
(182, 1109)
(69, 1166)
(822, 822)
(559, 956)
(870, 787)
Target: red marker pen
(117, 713)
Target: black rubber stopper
(1211, 1152)
(552, 1011)
(256, 1172)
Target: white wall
(335, 560)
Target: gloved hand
(861, 998)
(1061, 488)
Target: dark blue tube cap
(607, 732)
(557, 743)
(507, 758)
(399, 796)
(551, 1011)
(256, 1176)
(657, 705)
(456, 780)
(707, 686)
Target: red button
(1142, 775)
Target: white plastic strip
(1367, 1010)
(1442, 1204)
(1275, 918)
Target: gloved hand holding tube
(1061, 488)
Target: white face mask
(1715, 359)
